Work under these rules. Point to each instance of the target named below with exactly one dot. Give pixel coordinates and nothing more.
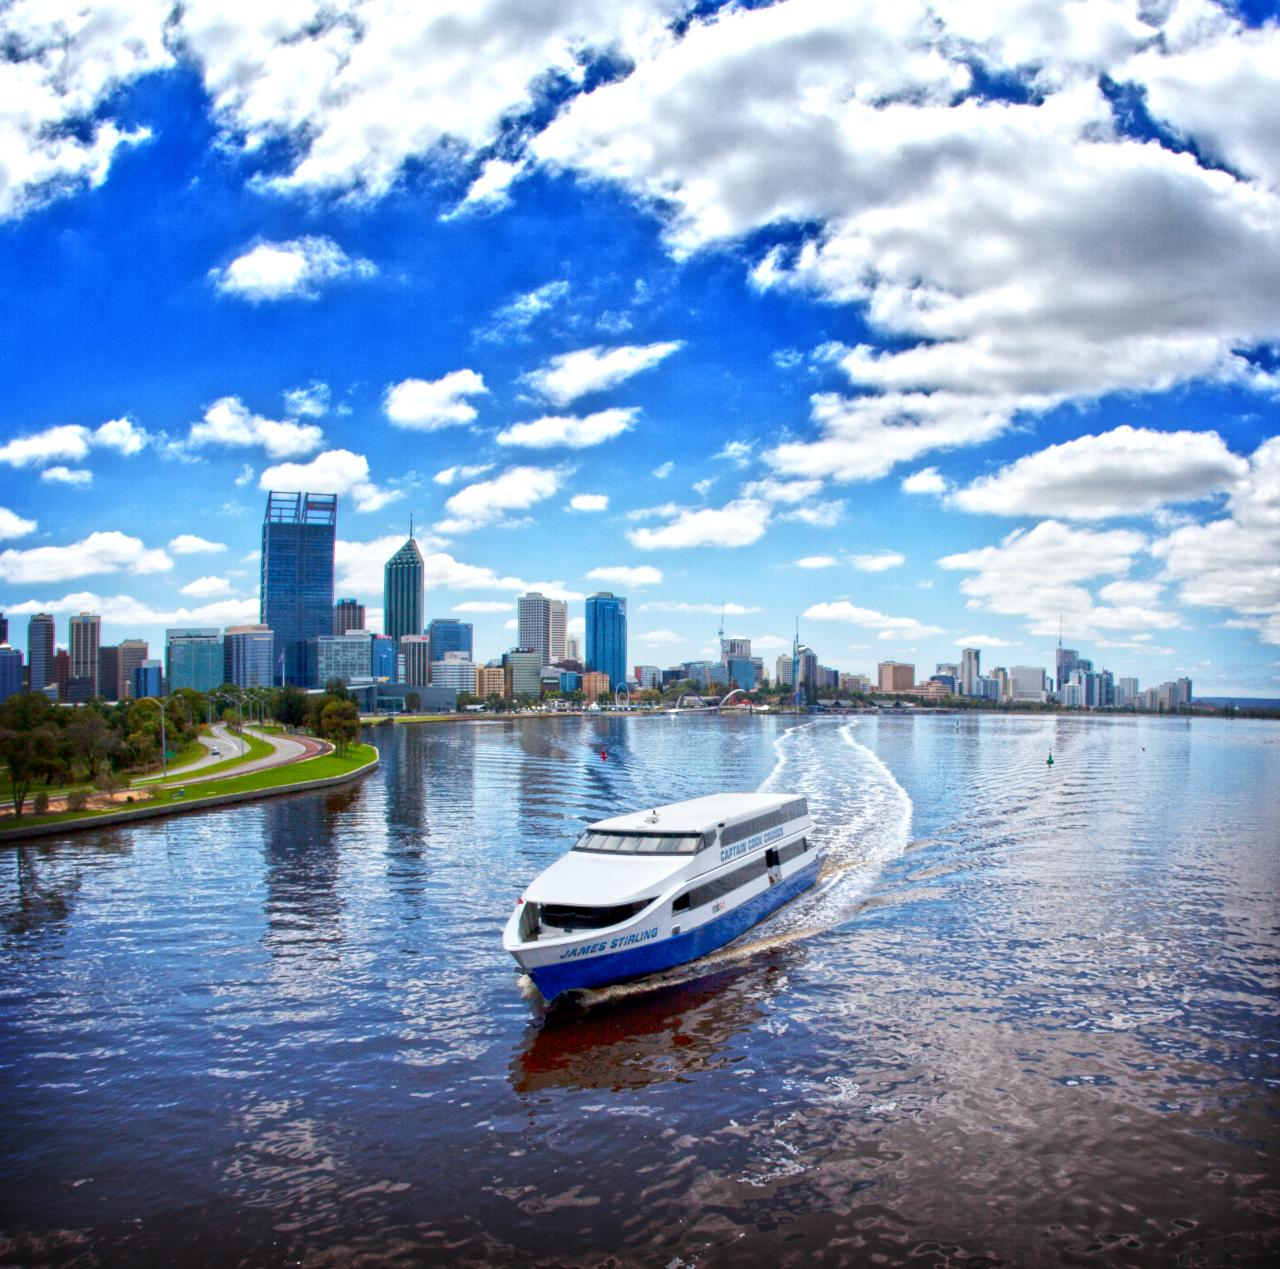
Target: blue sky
(928, 325)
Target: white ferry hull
(649, 945)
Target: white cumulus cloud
(589, 502)
(553, 431)
(108, 551)
(334, 471)
(490, 501)
(229, 422)
(877, 561)
(13, 525)
(738, 523)
(1040, 574)
(427, 404)
(192, 544)
(288, 270)
(568, 376)
(925, 481)
(1125, 472)
(206, 587)
(67, 475)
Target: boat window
(639, 843)
(792, 849)
(762, 823)
(569, 917)
(709, 891)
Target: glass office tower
(402, 592)
(607, 637)
(448, 635)
(297, 576)
(40, 632)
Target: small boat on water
(643, 892)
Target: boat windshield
(639, 843)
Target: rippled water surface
(1028, 1016)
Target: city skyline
(592, 335)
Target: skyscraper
(1064, 666)
(4, 628)
(194, 658)
(133, 652)
(109, 672)
(348, 614)
(40, 650)
(246, 656)
(533, 622)
(447, 634)
(402, 592)
(970, 670)
(10, 671)
(415, 654)
(607, 637)
(557, 629)
(297, 576)
(82, 642)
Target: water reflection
(303, 863)
(636, 1037)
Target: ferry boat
(643, 892)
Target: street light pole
(164, 757)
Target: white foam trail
(862, 819)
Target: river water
(1027, 1017)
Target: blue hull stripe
(615, 967)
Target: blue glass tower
(297, 576)
(607, 637)
(445, 634)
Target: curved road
(285, 749)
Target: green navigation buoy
(1050, 762)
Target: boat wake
(862, 819)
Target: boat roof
(696, 815)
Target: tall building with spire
(403, 595)
(298, 536)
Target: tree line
(104, 743)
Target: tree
(336, 687)
(90, 741)
(27, 754)
(412, 702)
(291, 707)
(339, 723)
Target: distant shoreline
(919, 711)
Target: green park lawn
(321, 768)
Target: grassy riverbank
(178, 797)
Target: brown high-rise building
(896, 676)
(348, 614)
(133, 652)
(60, 672)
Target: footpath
(295, 764)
